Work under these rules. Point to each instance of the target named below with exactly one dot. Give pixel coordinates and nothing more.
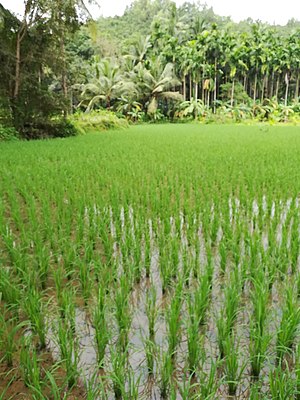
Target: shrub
(240, 95)
(98, 120)
(8, 133)
(50, 129)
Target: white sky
(272, 11)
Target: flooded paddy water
(194, 258)
(131, 273)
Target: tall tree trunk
(196, 91)
(277, 87)
(64, 82)
(190, 88)
(287, 82)
(267, 86)
(232, 93)
(245, 83)
(17, 78)
(20, 36)
(272, 85)
(255, 86)
(184, 87)
(71, 101)
(18, 64)
(215, 87)
(297, 87)
(263, 90)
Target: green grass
(156, 233)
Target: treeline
(156, 61)
(187, 61)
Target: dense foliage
(33, 57)
(157, 61)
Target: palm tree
(138, 50)
(108, 84)
(156, 83)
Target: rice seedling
(209, 381)
(30, 366)
(56, 392)
(282, 384)
(173, 320)
(66, 306)
(165, 271)
(166, 372)
(69, 350)
(259, 338)
(10, 291)
(34, 308)
(289, 324)
(42, 263)
(199, 301)
(85, 281)
(123, 312)
(151, 311)
(194, 342)
(147, 252)
(9, 328)
(233, 369)
(255, 393)
(69, 259)
(118, 373)
(223, 256)
(228, 315)
(133, 383)
(188, 390)
(101, 326)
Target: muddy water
(149, 388)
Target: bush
(8, 133)
(98, 120)
(240, 95)
(49, 129)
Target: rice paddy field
(159, 262)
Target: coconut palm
(108, 85)
(138, 50)
(155, 83)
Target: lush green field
(161, 261)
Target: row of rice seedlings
(35, 308)
(290, 320)
(10, 291)
(9, 328)
(151, 310)
(259, 337)
(122, 311)
(173, 320)
(100, 324)
(118, 372)
(166, 369)
(228, 314)
(68, 346)
(30, 367)
(232, 368)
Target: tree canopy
(157, 55)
